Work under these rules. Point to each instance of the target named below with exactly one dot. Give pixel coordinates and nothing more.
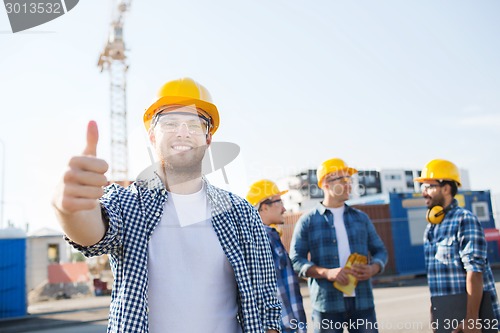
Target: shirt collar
(271, 231)
(322, 209)
(453, 204)
(268, 227)
(149, 178)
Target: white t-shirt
(341, 233)
(191, 283)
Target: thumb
(92, 138)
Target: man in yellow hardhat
(265, 196)
(322, 242)
(455, 246)
(186, 256)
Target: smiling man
(454, 244)
(265, 196)
(186, 256)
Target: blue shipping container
(12, 278)
(408, 224)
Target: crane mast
(113, 59)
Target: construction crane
(113, 59)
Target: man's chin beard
(192, 169)
(183, 162)
(434, 203)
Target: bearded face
(432, 193)
(180, 140)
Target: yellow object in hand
(353, 259)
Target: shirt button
(334, 241)
(163, 192)
(157, 214)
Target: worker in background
(323, 240)
(454, 244)
(265, 196)
(186, 256)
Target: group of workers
(190, 257)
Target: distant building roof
(45, 232)
(11, 232)
(372, 199)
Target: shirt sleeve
(299, 247)
(376, 246)
(272, 319)
(111, 215)
(472, 243)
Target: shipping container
(12, 273)
(379, 214)
(381, 218)
(408, 221)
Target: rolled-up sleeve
(299, 247)
(472, 243)
(272, 306)
(111, 214)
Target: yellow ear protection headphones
(278, 229)
(435, 214)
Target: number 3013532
(34, 8)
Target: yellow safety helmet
(439, 170)
(261, 190)
(332, 165)
(185, 91)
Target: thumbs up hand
(83, 181)
(92, 138)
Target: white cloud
(480, 120)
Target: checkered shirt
(454, 247)
(314, 234)
(134, 212)
(288, 283)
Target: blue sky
(381, 84)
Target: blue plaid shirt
(134, 212)
(454, 247)
(288, 284)
(314, 234)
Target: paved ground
(402, 305)
(59, 314)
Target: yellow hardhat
(438, 169)
(185, 91)
(332, 165)
(261, 190)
